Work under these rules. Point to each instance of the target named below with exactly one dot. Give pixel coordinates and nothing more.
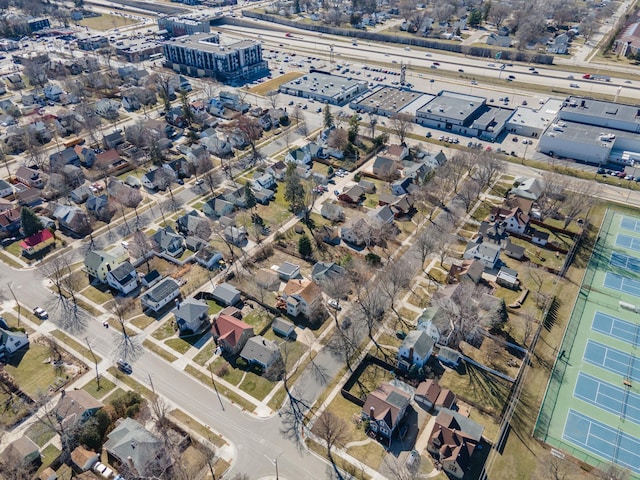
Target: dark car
(124, 366)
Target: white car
(334, 304)
(40, 313)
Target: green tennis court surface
(591, 408)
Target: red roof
(229, 329)
(36, 239)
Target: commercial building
(388, 101)
(138, 50)
(594, 131)
(464, 115)
(202, 55)
(529, 122)
(325, 88)
(93, 43)
(36, 24)
(180, 26)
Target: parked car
(334, 304)
(124, 366)
(40, 313)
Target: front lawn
(106, 386)
(256, 386)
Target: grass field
(274, 84)
(106, 22)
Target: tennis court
(617, 400)
(622, 260)
(622, 284)
(608, 442)
(627, 241)
(591, 408)
(630, 223)
(615, 327)
(613, 360)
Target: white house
(124, 278)
(487, 253)
(416, 349)
(516, 221)
(10, 341)
(299, 156)
(160, 295)
(332, 211)
(301, 296)
(263, 181)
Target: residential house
(5, 205)
(396, 152)
(75, 407)
(98, 206)
(317, 152)
(332, 211)
(188, 223)
(5, 188)
(154, 179)
(133, 445)
(217, 207)
(226, 295)
(113, 139)
(467, 270)
(29, 176)
(368, 186)
(283, 327)
(208, 257)
(508, 278)
(486, 253)
(72, 219)
(277, 170)
(260, 351)
(264, 180)
(353, 234)
(301, 297)
(37, 242)
(353, 195)
(415, 349)
(403, 206)
(123, 278)
(29, 197)
(264, 196)
(453, 440)
(528, 187)
(559, 44)
(432, 160)
(288, 270)
(516, 221)
(193, 243)
(329, 235)
(385, 407)
(238, 236)
(52, 92)
(429, 394)
(493, 232)
(383, 214)
(230, 333)
(22, 452)
(235, 194)
(327, 271)
(401, 186)
(151, 278)
(191, 315)
(299, 156)
(178, 168)
(84, 459)
(15, 81)
(384, 167)
(217, 146)
(168, 241)
(12, 341)
(107, 108)
(10, 220)
(160, 295)
(130, 102)
(500, 39)
(110, 162)
(68, 156)
(80, 194)
(50, 474)
(86, 155)
(97, 263)
(449, 356)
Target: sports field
(591, 408)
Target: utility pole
(215, 387)
(17, 303)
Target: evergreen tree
(249, 196)
(29, 222)
(294, 190)
(328, 117)
(304, 246)
(353, 128)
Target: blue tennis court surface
(622, 284)
(625, 261)
(611, 444)
(614, 327)
(612, 360)
(627, 241)
(629, 223)
(616, 400)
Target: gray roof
(282, 325)
(389, 99)
(124, 272)
(419, 341)
(130, 440)
(329, 270)
(261, 350)
(162, 290)
(464, 424)
(288, 268)
(165, 237)
(456, 106)
(93, 259)
(226, 292)
(189, 312)
(151, 276)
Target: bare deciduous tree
(395, 278)
(488, 170)
(401, 125)
(128, 347)
(333, 430)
